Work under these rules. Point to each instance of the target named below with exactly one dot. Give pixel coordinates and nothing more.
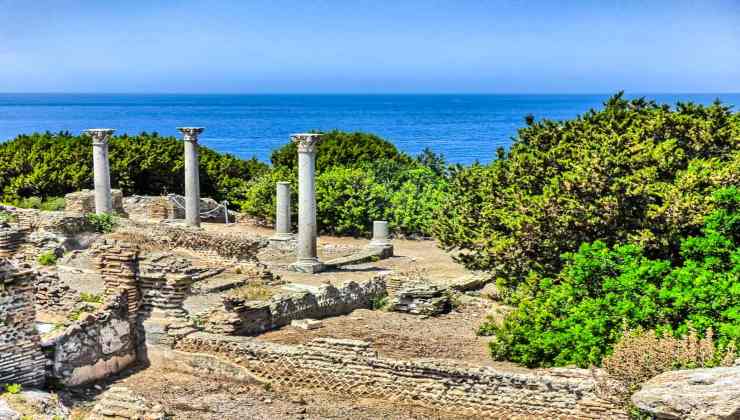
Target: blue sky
(353, 46)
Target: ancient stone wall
(10, 241)
(242, 317)
(96, 346)
(21, 358)
(139, 207)
(53, 295)
(163, 287)
(351, 367)
(241, 247)
(83, 202)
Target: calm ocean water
(464, 128)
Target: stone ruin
(169, 207)
(240, 316)
(83, 202)
(23, 361)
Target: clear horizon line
(373, 93)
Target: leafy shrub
(13, 388)
(337, 148)
(634, 171)
(51, 165)
(640, 355)
(103, 222)
(576, 317)
(258, 197)
(47, 258)
(348, 200)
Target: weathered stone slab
(692, 394)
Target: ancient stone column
(101, 169)
(192, 178)
(307, 261)
(282, 213)
(380, 238)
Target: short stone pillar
(192, 177)
(282, 213)
(101, 169)
(380, 238)
(308, 261)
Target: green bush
(52, 165)
(47, 258)
(258, 197)
(338, 148)
(53, 204)
(103, 222)
(13, 388)
(634, 171)
(577, 317)
(348, 200)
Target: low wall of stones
(240, 247)
(139, 207)
(96, 346)
(243, 317)
(83, 202)
(350, 367)
(21, 358)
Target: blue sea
(464, 128)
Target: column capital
(190, 133)
(100, 135)
(306, 142)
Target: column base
(307, 266)
(283, 241)
(385, 247)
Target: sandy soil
(409, 254)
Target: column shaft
(101, 169)
(282, 211)
(192, 184)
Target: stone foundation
(95, 347)
(240, 247)
(352, 368)
(243, 317)
(10, 241)
(21, 358)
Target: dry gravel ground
(402, 336)
(189, 397)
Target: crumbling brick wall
(350, 367)
(242, 317)
(52, 294)
(21, 358)
(118, 263)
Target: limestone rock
(421, 299)
(490, 291)
(692, 394)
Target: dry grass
(253, 291)
(641, 355)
